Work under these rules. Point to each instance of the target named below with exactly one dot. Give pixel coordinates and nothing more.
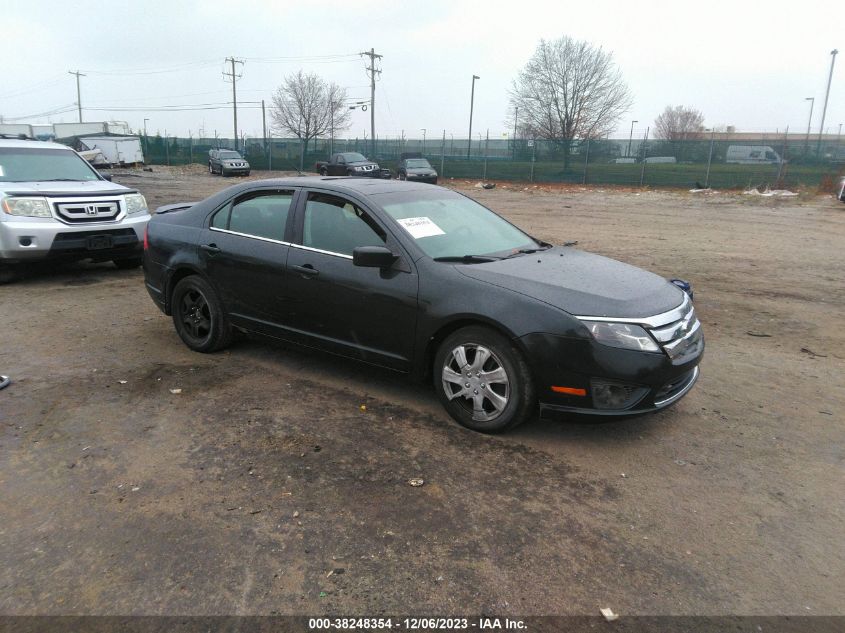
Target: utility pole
(79, 98)
(513, 141)
(630, 138)
(372, 71)
(471, 103)
(234, 77)
(812, 101)
(833, 54)
(263, 126)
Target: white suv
(54, 205)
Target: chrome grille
(88, 211)
(681, 336)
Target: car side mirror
(105, 176)
(373, 257)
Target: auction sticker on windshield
(420, 227)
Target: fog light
(608, 394)
(25, 241)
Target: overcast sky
(747, 64)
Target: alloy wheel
(473, 374)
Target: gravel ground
(276, 480)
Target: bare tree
(679, 124)
(569, 90)
(308, 107)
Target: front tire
(483, 381)
(324, 171)
(8, 273)
(199, 317)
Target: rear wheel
(324, 171)
(483, 381)
(402, 176)
(128, 263)
(198, 316)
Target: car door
(366, 313)
(337, 167)
(245, 256)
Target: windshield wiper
(467, 259)
(528, 251)
(62, 180)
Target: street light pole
(833, 54)
(146, 140)
(630, 138)
(471, 103)
(423, 146)
(812, 101)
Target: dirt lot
(265, 486)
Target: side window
(221, 218)
(262, 215)
(341, 160)
(337, 225)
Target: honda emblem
(91, 209)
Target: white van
(752, 155)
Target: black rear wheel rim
(195, 314)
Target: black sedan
(426, 281)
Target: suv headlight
(624, 335)
(135, 203)
(31, 207)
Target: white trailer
(14, 129)
(752, 155)
(118, 150)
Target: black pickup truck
(350, 164)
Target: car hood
(580, 283)
(361, 163)
(75, 187)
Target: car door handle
(306, 271)
(211, 248)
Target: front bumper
(235, 171)
(37, 239)
(654, 380)
(429, 178)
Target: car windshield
(353, 157)
(418, 162)
(229, 155)
(447, 224)
(31, 164)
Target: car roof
(9, 142)
(351, 184)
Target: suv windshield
(229, 155)
(417, 162)
(31, 164)
(353, 157)
(447, 224)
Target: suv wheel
(198, 316)
(128, 263)
(324, 171)
(210, 168)
(483, 381)
(8, 273)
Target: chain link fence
(725, 161)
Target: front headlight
(624, 335)
(30, 207)
(135, 203)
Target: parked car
(54, 205)
(227, 162)
(423, 280)
(415, 167)
(841, 191)
(350, 164)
